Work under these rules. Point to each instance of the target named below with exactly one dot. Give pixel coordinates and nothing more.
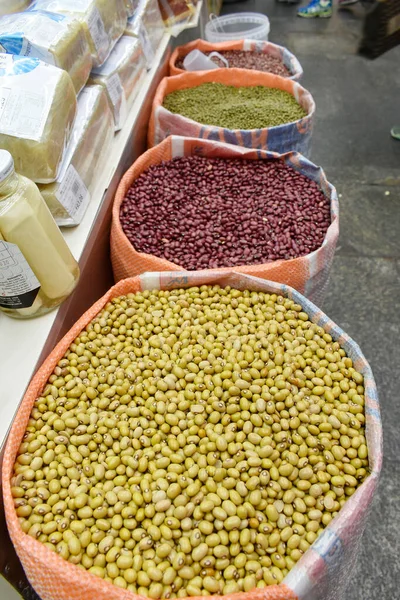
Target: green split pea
(231, 107)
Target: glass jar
(37, 269)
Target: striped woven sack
(258, 47)
(309, 274)
(294, 136)
(324, 570)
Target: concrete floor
(357, 103)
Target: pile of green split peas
(231, 107)
(192, 442)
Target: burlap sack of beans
(309, 274)
(294, 136)
(289, 60)
(324, 570)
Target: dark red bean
(204, 213)
(241, 59)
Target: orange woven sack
(295, 136)
(288, 59)
(325, 568)
(309, 274)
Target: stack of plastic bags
(147, 25)
(55, 39)
(93, 130)
(103, 21)
(120, 75)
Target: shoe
(395, 132)
(316, 8)
(344, 3)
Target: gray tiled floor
(357, 103)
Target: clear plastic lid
(6, 164)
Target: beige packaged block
(120, 76)
(56, 39)
(147, 25)
(12, 6)
(85, 157)
(104, 21)
(38, 103)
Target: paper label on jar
(73, 193)
(98, 33)
(18, 283)
(118, 99)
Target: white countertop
(22, 341)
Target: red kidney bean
(205, 213)
(242, 59)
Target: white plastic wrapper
(55, 39)
(131, 6)
(104, 21)
(8, 7)
(37, 111)
(147, 25)
(120, 75)
(84, 159)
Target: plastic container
(37, 269)
(237, 26)
(198, 61)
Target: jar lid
(6, 164)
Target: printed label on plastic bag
(18, 283)
(98, 32)
(72, 193)
(23, 113)
(118, 98)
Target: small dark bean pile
(240, 59)
(205, 213)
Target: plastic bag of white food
(84, 159)
(38, 106)
(120, 75)
(55, 39)
(12, 6)
(147, 25)
(104, 21)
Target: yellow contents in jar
(26, 222)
